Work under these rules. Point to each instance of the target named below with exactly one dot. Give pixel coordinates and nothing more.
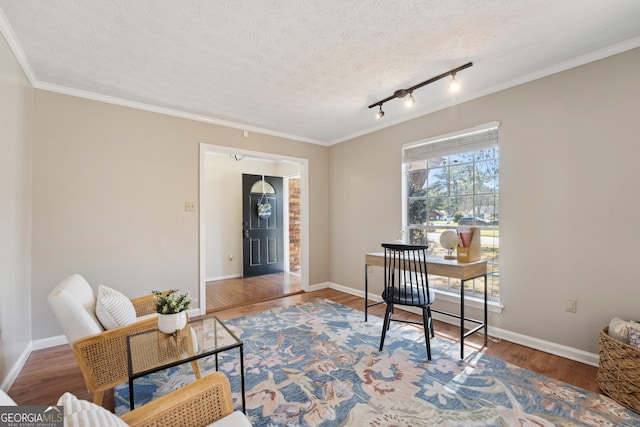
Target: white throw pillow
(80, 413)
(113, 308)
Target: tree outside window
(455, 191)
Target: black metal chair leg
(385, 324)
(390, 314)
(433, 334)
(425, 322)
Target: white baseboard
(347, 290)
(16, 368)
(546, 346)
(319, 286)
(514, 337)
(228, 276)
(49, 342)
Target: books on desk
(469, 248)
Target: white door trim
(205, 149)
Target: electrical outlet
(189, 206)
(570, 305)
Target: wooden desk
(440, 267)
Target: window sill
(473, 302)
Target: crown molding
(170, 112)
(15, 47)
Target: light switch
(570, 305)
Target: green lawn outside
(492, 232)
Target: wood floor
(49, 373)
(235, 292)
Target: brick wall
(294, 225)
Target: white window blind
(475, 138)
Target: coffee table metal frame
(184, 354)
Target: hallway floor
(234, 292)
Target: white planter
(170, 323)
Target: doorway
(221, 169)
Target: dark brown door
(263, 235)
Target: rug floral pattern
(318, 364)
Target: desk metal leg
(244, 407)
(462, 319)
(486, 316)
(366, 290)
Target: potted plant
(171, 308)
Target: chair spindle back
(406, 280)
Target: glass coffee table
(153, 351)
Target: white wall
(569, 152)
(16, 111)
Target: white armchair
(101, 354)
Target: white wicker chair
(101, 355)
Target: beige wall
(109, 187)
(16, 105)
(569, 152)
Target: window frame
(451, 144)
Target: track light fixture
(401, 93)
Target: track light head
(380, 113)
(454, 84)
(410, 100)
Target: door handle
(245, 229)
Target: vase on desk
(170, 323)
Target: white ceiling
(304, 69)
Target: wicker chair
(205, 402)
(101, 355)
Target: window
(452, 182)
(262, 187)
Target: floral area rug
(318, 364)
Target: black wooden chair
(406, 283)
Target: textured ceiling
(299, 68)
